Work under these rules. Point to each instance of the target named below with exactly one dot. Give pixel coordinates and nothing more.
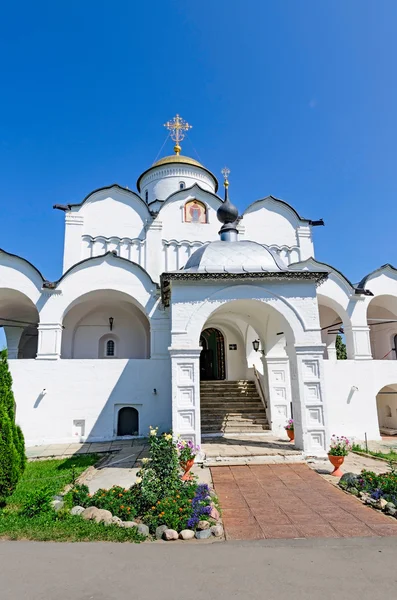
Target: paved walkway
(291, 501)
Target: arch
(127, 421)
(195, 211)
(382, 321)
(19, 317)
(334, 319)
(253, 300)
(102, 315)
(386, 404)
(212, 357)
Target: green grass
(55, 475)
(391, 455)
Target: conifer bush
(12, 445)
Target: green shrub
(173, 511)
(12, 446)
(80, 495)
(36, 503)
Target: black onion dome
(227, 212)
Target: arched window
(182, 185)
(110, 349)
(127, 421)
(147, 196)
(195, 212)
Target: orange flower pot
(186, 466)
(336, 462)
(291, 434)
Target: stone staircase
(231, 407)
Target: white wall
(89, 390)
(163, 181)
(354, 412)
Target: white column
(49, 343)
(310, 414)
(72, 253)
(358, 342)
(154, 251)
(305, 242)
(13, 337)
(185, 369)
(160, 335)
(279, 388)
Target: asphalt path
(343, 569)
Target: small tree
(12, 445)
(340, 346)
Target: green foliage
(340, 347)
(160, 475)
(389, 456)
(36, 502)
(80, 496)
(119, 501)
(383, 485)
(12, 445)
(173, 511)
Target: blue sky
(298, 98)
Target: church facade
(166, 289)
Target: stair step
(238, 429)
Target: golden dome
(175, 159)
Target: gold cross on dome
(177, 126)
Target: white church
(175, 311)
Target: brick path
(291, 501)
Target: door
(128, 421)
(207, 370)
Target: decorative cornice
(166, 278)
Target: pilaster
(279, 390)
(72, 253)
(185, 369)
(49, 342)
(310, 420)
(358, 342)
(154, 259)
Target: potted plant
(289, 428)
(339, 448)
(187, 453)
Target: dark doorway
(128, 421)
(212, 357)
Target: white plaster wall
(163, 181)
(354, 412)
(91, 390)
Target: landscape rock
(381, 503)
(57, 504)
(99, 515)
(60, 498)
(363, 496)
(371, 501)
(214, 514)
(390, 507)
(348, 480)
(143, 529)
(186, 534)
(159, 531)
(353, 491)
(128, 524)
(114, 521)
(170, 534)
(202, 525)
(204, 534)
(77, 510)
(217, 530)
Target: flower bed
(161, 503)
(377, 490)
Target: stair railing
(259, 387)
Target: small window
(147, 196)
(182, 185)
(110, 348)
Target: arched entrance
(212, 357)
(127, 421)
(386, 403)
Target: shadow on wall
(133, 390)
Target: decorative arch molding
(133, 249)
(194, 191)
(386, 269)
(312, 263)
(296, 321)
(287, 208)
(288, 253)
(95, 195)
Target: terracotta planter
(186, 466)
(336, 462)
(291, 434)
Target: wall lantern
(255, 345)
(111, 321)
